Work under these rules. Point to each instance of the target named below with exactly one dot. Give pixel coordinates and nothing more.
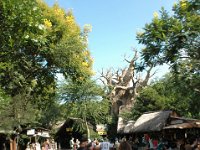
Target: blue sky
(114, 26)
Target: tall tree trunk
(88, 130)
(86, 123)
(124, 86)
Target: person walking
(77, 143)
(124, 145)
(83, 143)
(71, 143)
(116, 144)
(45, 145)
(105, 145)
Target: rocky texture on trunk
(124, 85)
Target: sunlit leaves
(167, 37)
(37, 42)
(169, 93)
(173, 38)
(86, 101)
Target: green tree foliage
(166, 94)
(34, 47)
(171, 38)
(18, 111)
(4, 103)
(36, 43)
(86, 101)
(174, 39)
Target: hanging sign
(31, 132)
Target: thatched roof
(61, 125)
(71, 123)
(151, 121)
(120, 126)
(186, 125)
(156, 121)
(183, 123)
(120, 130)
(129, 127)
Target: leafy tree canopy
(38, 42)
(173, 39)
(86, 101)
(169, 39)
(167, 94)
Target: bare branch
(147, 77)
(121, 87)
(105, 83)
(128, 61)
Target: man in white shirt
(37, 146)
(71, 142)
(105, 145)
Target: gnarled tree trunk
(124, 85)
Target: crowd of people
(143, 143)
(102, 144)
(48, 144)
(146, 143)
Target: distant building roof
(183, 123)
(186, 125)
(129, 126)
(151, 121)
(157, 121)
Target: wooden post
(11, 144)
(14, 144)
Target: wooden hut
(161, 124)
(120, 126)
(128, 127)
(65, 130)
(180, 128)
(152, 121)
(149, 122)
